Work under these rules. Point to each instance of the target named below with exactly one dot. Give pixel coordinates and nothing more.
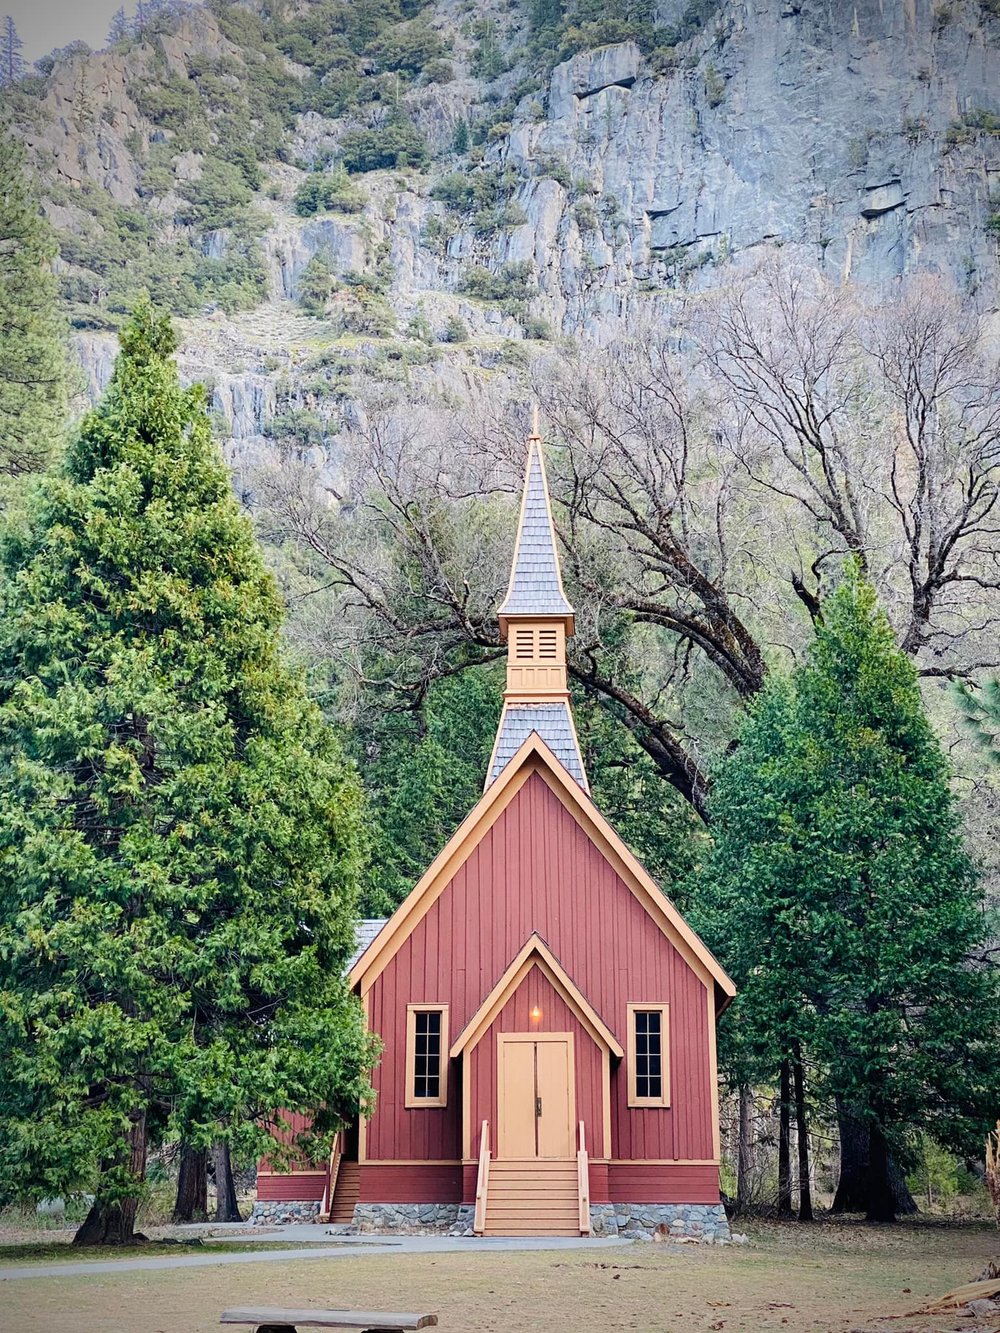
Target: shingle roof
(535, 587)
(552, 722)
(365, 933)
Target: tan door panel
(516, 1092)
(555, 1098)
(536, 1096)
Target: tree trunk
(881, 1198)
(802, 1135)
(227, 1207)
(906, 1204)
(114, 1223)
(854, 1186)
(784, 1143)
(743, 1151)
(192, 1186)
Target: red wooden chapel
(548, 1017)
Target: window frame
(663, 1010)
(411, 1101)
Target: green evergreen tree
(980, 709)
(460, 141)
(841, 896)
(424, 771)
(179, 831)
(11, 60)
(118, 29)
(32, 342)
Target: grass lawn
(61, 1251)
(830, 1278)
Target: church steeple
(535, 620)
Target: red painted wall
(640, 1182)
(299, 1187)
(309, 1178)
(417, 1183)
(536, 870)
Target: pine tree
(179, 831)
(981, 716)
(11, 60)
(840, 893)
(460, 142)
(32, 348)
(119, 28)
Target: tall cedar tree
(178, 828)
(841, 897)
(32, 342)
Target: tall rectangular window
(649, 1055)
(426, 1055)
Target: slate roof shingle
(552, 722)
(535, 587)
(365, 933)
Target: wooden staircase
(345, 1192)
(536, 1197)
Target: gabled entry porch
(536, 1069)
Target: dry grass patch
(830, 1278)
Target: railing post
(482, 1180)
(583, 1183)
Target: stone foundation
(631, 1221)
(412, 1218)
(641, 1221)
(279, 1212)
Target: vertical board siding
(297, 1124)
(536, 870)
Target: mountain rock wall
(863, 137)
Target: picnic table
(274, 1319)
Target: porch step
(346, 1192)
(532, 1198)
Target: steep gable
(534, 761)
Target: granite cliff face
(864, 137)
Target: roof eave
(508, 618)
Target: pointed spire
(535, 587)
(536, 619)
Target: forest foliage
(180, 837)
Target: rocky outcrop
(89, 128)
(614, 66)
(859, 137)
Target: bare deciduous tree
(706, 473)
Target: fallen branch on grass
(984, 1290)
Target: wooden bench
(273, 1319)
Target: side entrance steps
(346, 1192)
(537, 1197)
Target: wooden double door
(536, 1098)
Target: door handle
(538, 1106)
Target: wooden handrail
(482, 1180)
(583, 1183)
(333, 1171)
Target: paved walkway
(341, 1249)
